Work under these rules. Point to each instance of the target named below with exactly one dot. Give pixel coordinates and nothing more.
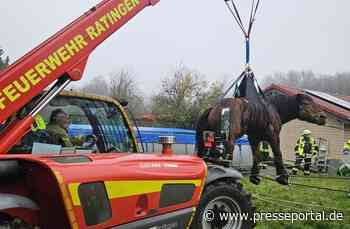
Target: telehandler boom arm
(60, 59)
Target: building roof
(325, 105)
(147, 117)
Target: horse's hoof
(255, 180)
(282, 179)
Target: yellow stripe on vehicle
(73, 189)
(120, 189)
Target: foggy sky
(288, 34)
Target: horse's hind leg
(282, 174)
(254, 176)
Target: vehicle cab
(100, 123)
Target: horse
(261, 121)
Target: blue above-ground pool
(185, 141)
(151, 134)
(183, 136)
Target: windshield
(77, 124)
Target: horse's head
(309, 111)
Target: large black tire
(220, 197)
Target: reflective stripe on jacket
(38, 124)
(264, 147)
(300, 146)
(264, 150)
(347, 145)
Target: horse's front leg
(254, 176)
(282, 174)
(230, 148)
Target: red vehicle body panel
(130, 168)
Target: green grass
(325, 200)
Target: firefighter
(264, 150)
(38, 133)
(38, 124)
(305, 149)
(58, 130)
(346, 149)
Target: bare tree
(3, 62)
(183, 97)
(122, 86)
(98, 85)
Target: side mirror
(124, 103)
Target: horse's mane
(285, 105)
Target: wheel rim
(222, 204)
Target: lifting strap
(232, 6)
(246, 84)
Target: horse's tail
(201, 126)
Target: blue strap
(247, 51)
